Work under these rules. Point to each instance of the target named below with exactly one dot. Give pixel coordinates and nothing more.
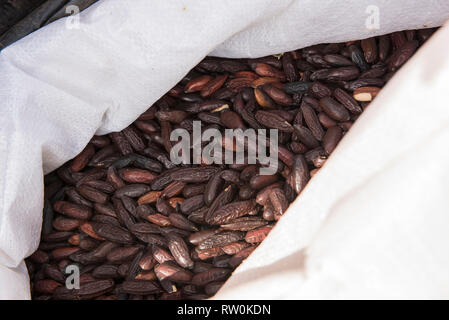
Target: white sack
(62, 85)
(374, 222)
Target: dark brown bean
(213, 274)
(235, 247)
(232, 120)
(143, 227)
(246, 192)
(133, 175)
(337, 74)
(347, 101)
(358, 58)
(194, 175)
(331, 139)
(93, 194)
(334, 109)
(212, 189)
(230, 212)
(66, 224)
(265, 70)
(300, 174)
(120, 255)
(113, 233)
(312, 121)
(181, 222)
(289, 66)
(260, 181)
(140, 287)
(191, 190)
(305, 136)
(319, 90)
(240, 256)
(263, 195)
(213, 85)
(278, 200)
(73, 210)
(134, 138)
(278, 95)
(192, 204)
(106, 271)
(220, 239)
(369, 47)
(384, 47)
(337, 60)
(180, 252)
(402, 54)
(244, 224)
(174, 116)
(81, 160)
(132, 190)
(263, 99)
(273, 121)
(257, 235)
(169, 270)
(121, 142)
(173, 189)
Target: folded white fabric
(61, 84)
